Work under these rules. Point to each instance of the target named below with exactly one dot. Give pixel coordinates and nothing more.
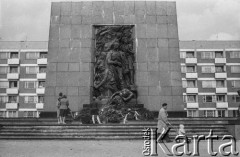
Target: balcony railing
(191, 75)
(11, 105)
(42, 61)
(40, 90)
(192, 105)
(220, 60)
(222, 105)
(13, 61)
(12, 76)
(191, 60)
(41, 75)
(191, 90)
(12, 90)
(220, 75)
(221, 90)
(39, 105)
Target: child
(181, 130)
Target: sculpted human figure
(104, 80)
(115, 62)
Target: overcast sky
(197, 19)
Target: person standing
(58, 107)
(163, 124)
(94, 110)
(239, 104)
(63, 108)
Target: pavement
(76, 148)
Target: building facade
(210, 77)
(22, 78)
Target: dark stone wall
(70, 59)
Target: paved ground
(60, 148)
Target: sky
(197, 19)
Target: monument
(100, 48)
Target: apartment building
(22, 78)
(210, 77)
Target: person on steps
(163, 124)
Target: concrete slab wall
(158, 75)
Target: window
(209, 98)
(236, 98)
(208, 69)
(221, 113)
(208, 84)
(192, 113)
(235, 69)
(190, 98)
(220, 69)
(207, 55)
(190, 69)
(3, 55)
(209, 113)
(30, 99)
(182, 54)
(235, 54)
(221, 98)
(220, 83)
(3, 99)
(2, 113)
(30, 84)
(31, 70)
(13, 84)
(13, 69)
(12, 99)
(43, 54)
(42, 69)
(218, 54)
(40, 99)
(13, 54)
(190, 54)
(236, 84)
(41, 84)
(4, 84)
(3, 70)
(12, 113)
(32, 55)
(189, 83)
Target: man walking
(163, 125)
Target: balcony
(220, 60)
(191, 90)
(192, 105)
(220, 75)
(42, 61)
(11, 105)
(221, 90)
(12, 76)
(41, 75)
(191, 60)
(40, 90)
(12, 90)
(39, 105)
(13, 61)
(191, 75)
(222, 105)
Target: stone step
(101, 127)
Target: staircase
(40, 129)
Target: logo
(151, 144)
